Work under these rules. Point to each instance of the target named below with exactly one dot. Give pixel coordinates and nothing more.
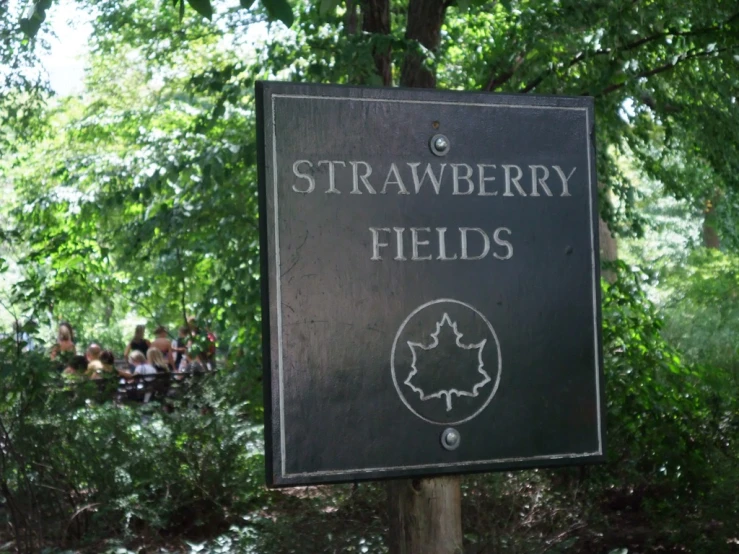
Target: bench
(138, 389)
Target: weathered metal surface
(412, 284)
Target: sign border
(266, 93)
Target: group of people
(144, 357)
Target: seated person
(108, 360)
(140, 366)
(76, 368)
(196, 364)
(64, 343)
(102, 367)
(162, 342)
(178, 352)
(93, 352)
(156, 359)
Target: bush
(672, 426)
(74, 470)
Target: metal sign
(430, 282)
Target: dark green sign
(430, 282)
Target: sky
(65, 62)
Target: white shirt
(145, 369)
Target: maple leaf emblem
(446, 372)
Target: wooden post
(425, 516)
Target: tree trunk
(425, 18)
(608, 249)
(608, 243)
(710, 235)
(350, 18)
(376, 21)
(425, 516)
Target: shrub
(74, 469)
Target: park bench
(162, 388)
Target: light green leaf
(327, 7)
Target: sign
(430, 282)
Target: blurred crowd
(192, 351)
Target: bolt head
(450, 439)
(440, 145)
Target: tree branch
(665, 67)
(672, 33)
(497, 81)
(630, 46)
(650, 102)
(574, 61)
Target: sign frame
(272, 348)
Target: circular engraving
(446, 362)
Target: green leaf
(246, 4)
(30, 26)
(279, 10)
(31, 23)
(203, 7)
(463, 5)
(327, 7)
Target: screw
(440, 145)
(450, 438)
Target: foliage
(76, 467)
(702, 310)
(277, 10)
(21, 88)
(672, 425)
(171, 180)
